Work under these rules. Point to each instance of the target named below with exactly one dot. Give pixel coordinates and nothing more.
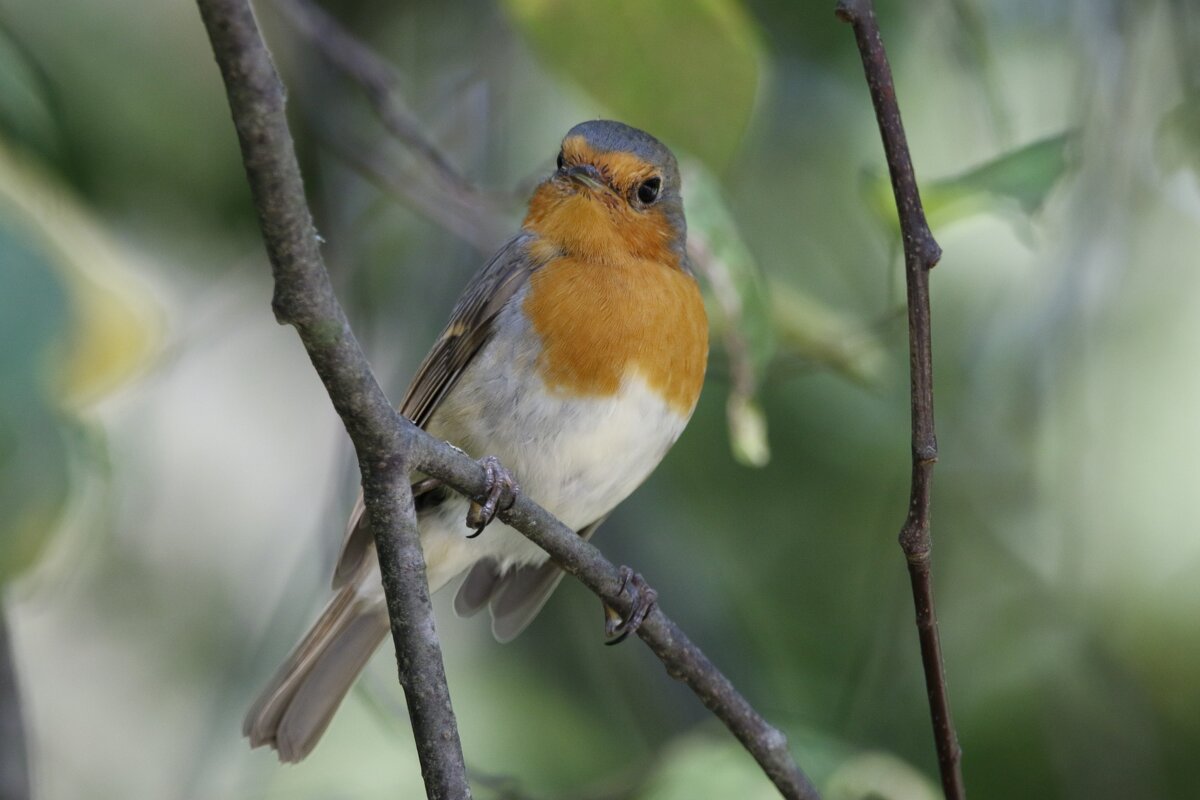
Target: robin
(575, 357)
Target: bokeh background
(173, 481)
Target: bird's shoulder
(472, 323)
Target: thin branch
(481, 231)
(14, 766)
(921, 253)
(449, 198)
(389, 446)
(683, 659)
(305, 299)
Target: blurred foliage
(33, 462)
(75, 325)
(810, 330)
(626, 53)
(177, 444)
(1024, 176)
(706, 766)
(738, 311)
(1179, 136)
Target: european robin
(575, 357)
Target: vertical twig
(418, 649)
(304, 298)
(14, 767)
(921, 253)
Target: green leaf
(806, 327)
(1025, 176)
(1177, 140)
(33, 456)
(686, 70)
(739, 286)
(878, 776)
(748, 431)
(740, 309)
(76, 325)
(700, 765)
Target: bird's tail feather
(299, 701)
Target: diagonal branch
(390, 446)
(304, 298)
(921, 254)
(378, 79)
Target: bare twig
(14, 768)
(481, 231)
(921, 253)
(375, 75)
(304, 298)
(449, 198)
(389, 446)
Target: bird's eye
(647, 193)
(560, 161)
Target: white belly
(576, 456)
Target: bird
(570, 365)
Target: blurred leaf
(878, 776)
(742, 311)
(748, 432)
(114, 323)
(808, 328)
(33, 460)
(709, 763)
(1025, 175)
(75, 325)
(702, 765)
(1177, 140)
(737, 279)
(687, 71)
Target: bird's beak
(587, 175)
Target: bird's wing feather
(471, 325)
(516, 597)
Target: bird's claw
(500, 493)
(616, 627)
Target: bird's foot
(500, 493)
(616, 627)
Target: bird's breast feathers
(599, 325)
(590, 376)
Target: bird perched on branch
(575, 357)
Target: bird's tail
(299, 701)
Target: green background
(173, 481)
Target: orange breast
(599, 322)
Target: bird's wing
(470, 326)
(516, 597)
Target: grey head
(649, 178)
